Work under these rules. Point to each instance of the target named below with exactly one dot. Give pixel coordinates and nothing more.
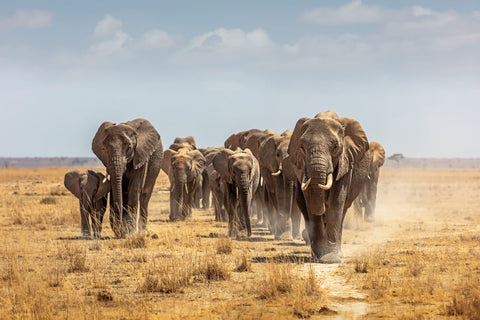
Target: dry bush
(224, 245)
(308, 298)
(78, 261)
(278, 279)
(169, 277)
(48, 200)
(466, 300)
(245, 265)
(212, 268)
(135, 241)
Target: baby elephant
(91, 188)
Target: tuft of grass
(48, 200)
(278, 280)
(213, 269)
(78, 261)
(135, 241)
(465, 301)
(224, 246)
(245, 265)
(308, 298)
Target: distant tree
(396, 157)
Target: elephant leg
(205, 192)
(334, 223)
(232, 210)
(316, 233)
(296, 221)
(300, 200)
(136, 184)
(85, 220)
(370, 202)
(148, 186)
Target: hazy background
(409, 71)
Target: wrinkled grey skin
(184, 169)
(253, 139)
(91, 189)
(240, 174)
(215, 185)
(368, 196)
(291, 185)
(133, 154)
(319, 147)
(279, 190)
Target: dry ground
(420, 259)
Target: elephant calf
(91, 188)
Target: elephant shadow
(82, 238)
(299, 257)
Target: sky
(408, 71)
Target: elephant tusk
(277, 173)
(329, 183)
(305, 183)
(105, 179)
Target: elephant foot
(242, 235)
(369, 219)
(332, 257)
(305, 237)
(286, 236)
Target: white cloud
(32, 19)
(229, 44)
(157, 39)
(354, 12)
(107, 27)
(111, 40)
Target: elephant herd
(317, 171)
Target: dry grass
(419, 260)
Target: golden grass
(420, 259)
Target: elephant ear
(191, 140)
(148, 140)
(220, 163)
(97, 143)
(296, 155)
(268, 155)
(167, 160)
(198, 158)
(72, 183)
(104, 186)
(355, 144)
(378, 155)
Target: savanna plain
(420, 259)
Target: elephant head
(91, 189)
(184, 169)
(121, 146)
(240, 171)
(186, 141)
(378, 157)
(324, 149)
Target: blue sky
(407, 70)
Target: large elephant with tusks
(326, 150)
(133, 153)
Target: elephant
(368, 196)
(184, 169)
(186, 141)
(212, 183)
(240, 174)
(133, 154)
(327, 151)
(279, 190)
(91, 189)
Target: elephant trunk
(320, 179)
(118, 169)
(179, 190)
(245, 201)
